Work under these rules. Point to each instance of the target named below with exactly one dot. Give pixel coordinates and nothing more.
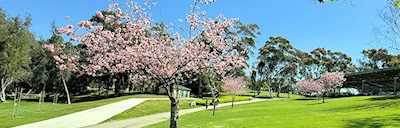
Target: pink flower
(62, 67)
(61, 30)
(58, 59)
(108, 20)
(70, 27)
(99, 14)
(99, 28)
(97, 67)
(48, 47)
(73, 39)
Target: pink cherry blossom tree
(331, 80)
(309, 86)
(148, 54)
(234, 86)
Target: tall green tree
(247, 34)
(320, 60)
(376, 59)
(15, 42)
(38, 65)
(277, 58)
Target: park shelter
(179, 91)
(373, 82)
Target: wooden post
(19, 99)
(15, 102)
(394, 84)
(363, 87)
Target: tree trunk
(214, 96)
(42, 95)
(29, 92)
(233, 100)
(3, 95)
(174, 114)
(55, 100)
(323, 97)
(174, 117)
(288, 95)
(214, 105)
(3, 85)
(40, 101)
(66, 89)
(270, 92)
(108, 85)
(200, 85)
(279, 91)
(117, 87)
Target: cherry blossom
(332, 79)
(310, 86)
(133, 47)
(234, 86)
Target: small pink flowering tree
(331, 80)
(309, 86)
(148, 54)
(234, 86)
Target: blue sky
(337, 26)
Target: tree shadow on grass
(375, 122)
(391, 97)
(318, 103)
(306, 99)
(378, 105)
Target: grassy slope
(341, 112)
(148, 108)
(29, 110)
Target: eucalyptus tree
(341, 62)
(305, 63)
(246, 34)
(276, 61)
(375, 59)
(327, 61)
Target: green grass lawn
(28, 112)
(148, 108)
(351, 112)
(154, 107)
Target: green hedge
(222, 99)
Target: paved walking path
(156, 118)
(91, 116)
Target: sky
(337, 26)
